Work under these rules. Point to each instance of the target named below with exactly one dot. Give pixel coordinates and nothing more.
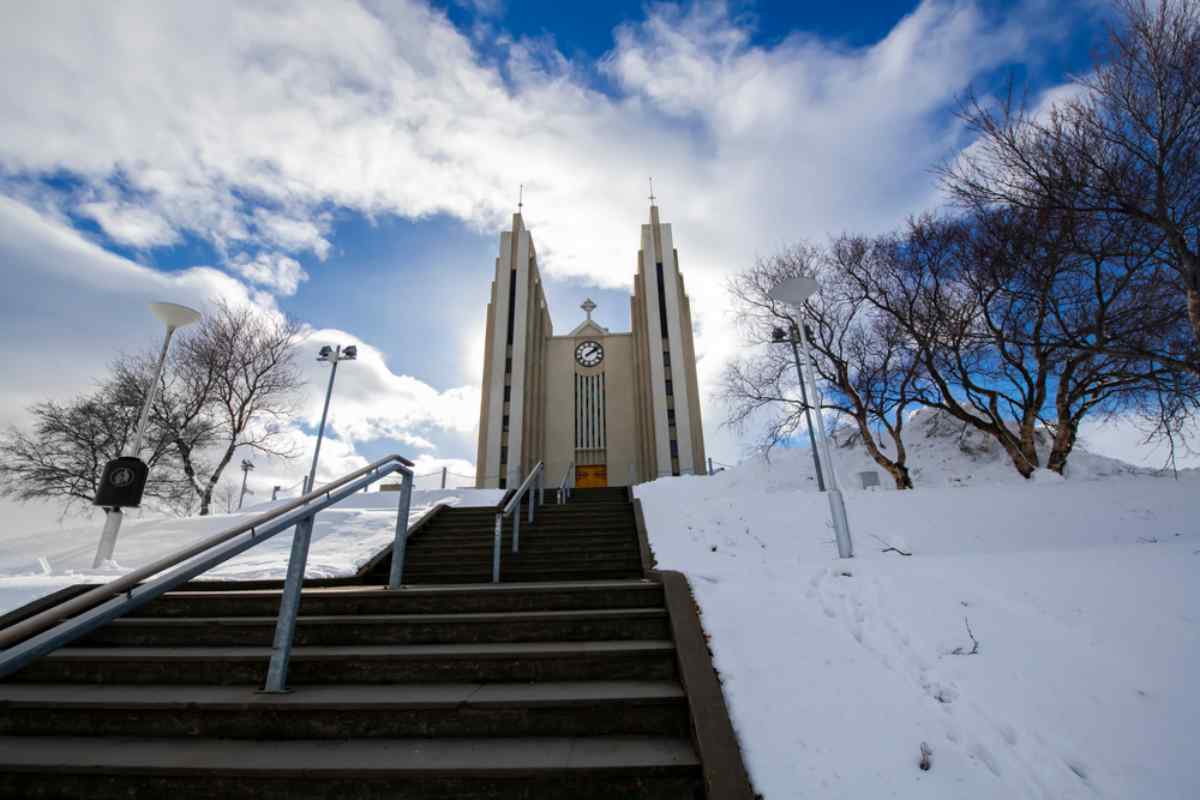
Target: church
(614, 408)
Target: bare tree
(865, 365)
(237, 380)
(63, 457)
(1125, 148)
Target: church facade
(605, 408)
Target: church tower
(601, 407)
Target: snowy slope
(941, 451)
(344, 538)
(1082, 595)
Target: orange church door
(591, 476)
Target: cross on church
(588, 306)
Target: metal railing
(536, 475)
(564, 491)
(68, 621)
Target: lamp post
(332, 355)
(794, 292)
(124, 477)
(779, 335)
(247, 465)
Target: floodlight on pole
(332, 355)
(247, 465)
(173, 316)
(794, 292)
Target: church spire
(653, 205)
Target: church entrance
(591, 476)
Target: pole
(443, 477)
(812, 438)
(113, 516)
(245, 475)
(837, 506)
(312, 472)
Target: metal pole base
(108, 537)
(289, 606)
(841, 526)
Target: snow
(1082, 594)
(344, 538)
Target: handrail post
(516, 518)
(532, 494)
(496, 549)
(289, 606)
(401, 541)
(542, 487)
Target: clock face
(589, 354)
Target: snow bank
(940, 450)
(344, 538)
(1082, 595)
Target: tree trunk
(1064, 442)
(895, 468)
(206, 495)
(1020, 459)
(900, 475)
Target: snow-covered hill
(941, 451)
(1041, 640)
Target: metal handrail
(564, 491)
(536, 474)
(68, 621)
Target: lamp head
(174, 315)
(324, 353)
(794, 291)
(247, 464)
(350, 353)
(778, 335)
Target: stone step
(479, 539)
(546, 768)
(530, 555)
(591, 708)
(510, 571)
(548, 596)
(523, 626)
(427, 663)
(556, 547)
(589, 527)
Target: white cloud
(372, 402)
(276, 271)
(130, 224)
(211, 112)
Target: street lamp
(779, 335)
(332, 355)
(247, 465)
(794, 292)
(124, 478)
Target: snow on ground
(1082, 595)
(344, 538)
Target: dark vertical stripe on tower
(512, 303)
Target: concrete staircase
(561, 682)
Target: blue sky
(351, 165)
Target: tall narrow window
(662, 302)
(512, 307)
